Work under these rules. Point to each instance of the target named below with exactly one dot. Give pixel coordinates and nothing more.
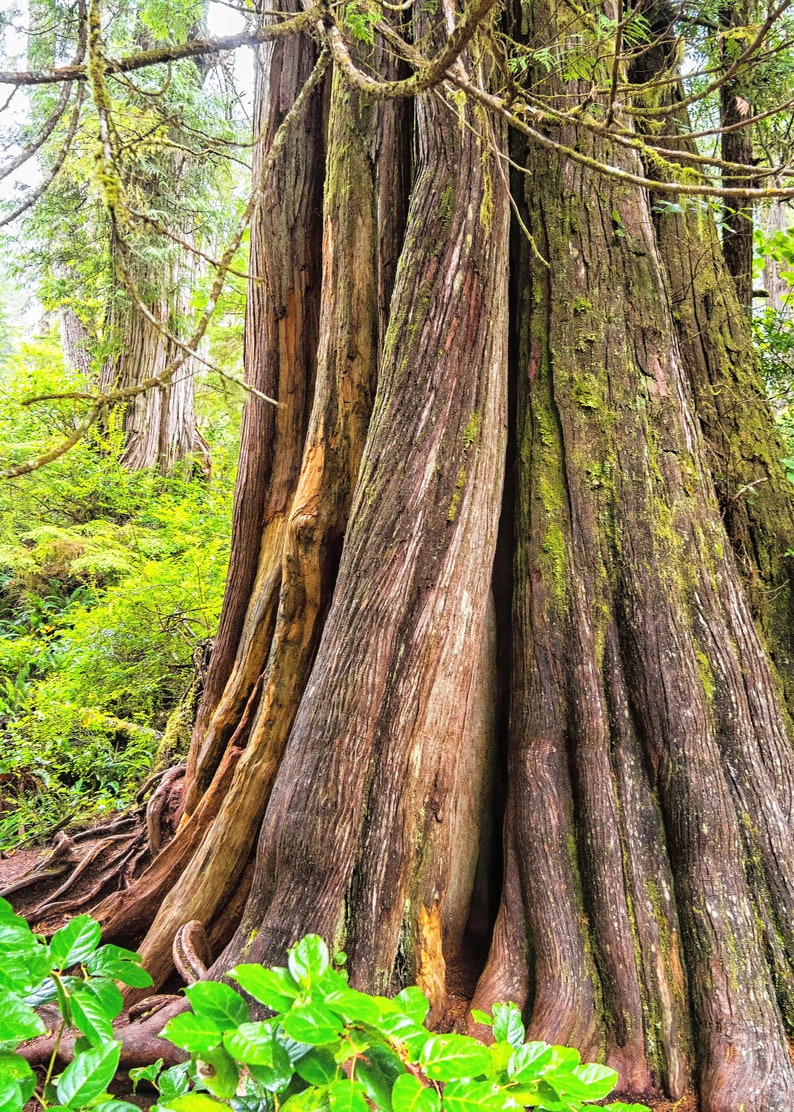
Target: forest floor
(16, 865)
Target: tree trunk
(736, 145)
(340, 776)
(649, 862)
(159, 426)
(743, 448)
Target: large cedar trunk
(341, 772)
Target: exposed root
(140, 1041)
(83, 866)
(191, 952)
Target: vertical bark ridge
(281, 336)
(744, 449)
(345, 387)
(374, 753)
(625, 583)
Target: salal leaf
(318, 1067)
(194, 1033)
(219, 1072)
(448, 1057)
(474, 1096)
(353, 1006)
(75, 943)
(274, 1078)
(15, 1067)
(481, 1017)
(311, 1023)
(413, 1002)
(88, 1075)
(508, 1025)
(88, 1016)
(308, 960)
(174, 1082)
(587, 1082)
(119, 965)
(10, 1094)
(24, 969)
(275, 988)
(17, 1021)
(106, 992)
(192, 1102)
(530, 1061)
(410, 1095)
(251, 1042)
(402, 1029)
(219, 1003)
(347, 1096)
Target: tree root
(82, 867)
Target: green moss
(471, 432)
(587, 393)
(454, 505)
(582, 305)
(553, 563)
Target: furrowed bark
(640, 748)
(281, 335)
(280, 358)
(743, 447)
(374, 758)
(346, 377)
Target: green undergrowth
(325, 1047)
(109, 580)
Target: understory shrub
(325, 1048)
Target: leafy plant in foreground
(78, 974)
(326, 1048)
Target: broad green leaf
(75, 943)
(565, 1057)
(274, 1078)
(22, 970)
(106, 992)
(145, 1073)
(474, 1096)
(414, 1003)
(174, 1082)
(219, 1003)
(311, 1099)
(347, 1096)
(448, 1057)
(88, 1075)
(275, 988)
(117, 1106)
(251, 1042)
(319, 1067)
(120, 965)
(17, 1020)
(10, 1094)
(377, 1081)
(192, 1102)
(309, 959)
(43, 993)
(410, 1095)
(311, 1023)
(410, 1034)
(508, 1025)
(586, 1082)
(353, 1006)
(194, 1033)
(481, 1017)
(15, 1067)
(530, 1061)
(219, 1072)
(90, 1018)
